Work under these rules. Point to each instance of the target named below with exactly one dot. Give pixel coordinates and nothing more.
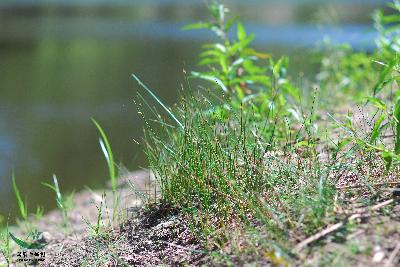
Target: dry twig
(392, 257)
(361, 185)
(337, 226)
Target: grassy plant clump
(113, 174)
(244, 161)
(63, 203)
(225, 171)
(231, 159)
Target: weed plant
(63, 203)
(383, 99)
(247, 76)
(108, 155)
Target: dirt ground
(159, 235)
(135, 236)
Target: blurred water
(63, 62)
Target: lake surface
(62, 63)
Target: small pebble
(44, 237)
(378, 257)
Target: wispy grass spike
(134, 77)
(106, 149)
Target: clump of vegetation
(219, 172)
(113, 174)
(236, 165)
(383, 97)
(63, 203)
(250, 80)
(249, 170)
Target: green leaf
(215, 10)
(292, 90)
(377, 102)
(252, 52)
(211, 79)
(279, 66)
(134, 77)
(56, 189)
(388, 158)
(383, 77)
(198, 25)
(49, 186)
(207, 61)
(241, 44)
(241, 32)
(24, 244)
(344, 143)
(376, 129)
(229, 23)
(19, 242)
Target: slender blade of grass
(134, 77)
(106, 148)
(21, 205)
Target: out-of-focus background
(65, 61)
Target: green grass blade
(376, 129)
(21, 205)
(58, 192)
(19, 242)
(134, 77)
(106, 149)
(24, 244)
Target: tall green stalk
(107, 152)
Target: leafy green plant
(345, 73)
(387, 121)
(348, 74)
(385, 95)
(388, 26)
(245, 75)
(63, 203)
(96, 229)
(219, 159)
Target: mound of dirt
(156, 236)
